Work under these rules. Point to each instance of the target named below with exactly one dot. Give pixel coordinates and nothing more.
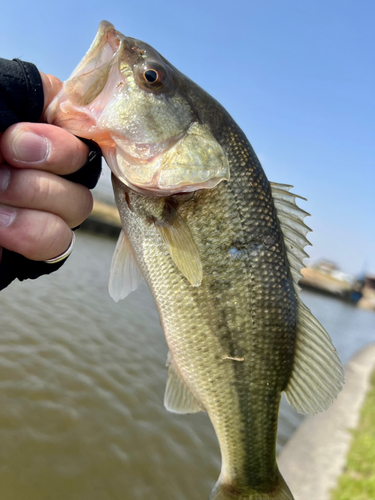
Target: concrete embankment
(315, 456)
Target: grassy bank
(358, 480)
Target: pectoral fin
(125, 275)
(181, 246)
(178, 398)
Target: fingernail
(30, 147)
(4, 178)
(7, 215)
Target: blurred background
(82, 378)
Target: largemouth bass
(220, 247)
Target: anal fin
(178, 397)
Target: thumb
(51, 87)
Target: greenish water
(81, 390)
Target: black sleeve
(21, 93)
(22, 99)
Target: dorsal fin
(317, 375)
(125, 275)
(294, 229)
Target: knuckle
(81, 153)
(33, 240)
(46, 240)
(40, 191)
(83, 207)
(88, 204)
(28, 188)
(67, 155)
(54, 238)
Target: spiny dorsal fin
(178, 398)
(125, 275)
(181, 246)
(294, 229)
(317, 375)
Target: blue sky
(297, 75)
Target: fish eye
(151, 75)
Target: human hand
(38, 208)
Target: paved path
(315, 456)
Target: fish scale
(220, 247)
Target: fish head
(130, 100)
